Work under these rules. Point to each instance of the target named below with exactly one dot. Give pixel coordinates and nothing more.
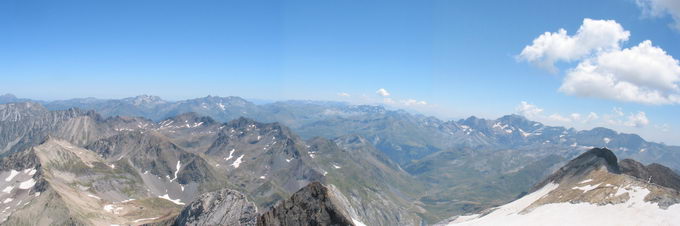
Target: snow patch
(27, 184)
(7, 200)
(358, 223)
(524, 134)
(585, 181)
(237, 162)
(586, 188)
(112, 209)
(167, 197)
(336, 166)
(12, 174)
(179, 164)
(231, 155)
(30, 171)
(8, 189)
(628, 213)
(145, 219)
(94, 196)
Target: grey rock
(223, 207)
(314, 204)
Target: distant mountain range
(393, 167)
(402, 136)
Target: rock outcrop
(223, 207)
(314, 204)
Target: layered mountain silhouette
(392, 167)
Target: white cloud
(344, 94)
(412, 102)
(382, 92)
(661, 8)
(559, 118)
(528, 110)
(616, 118)
(637, 120)
(642, 74)
(618, 111)
(592, 36)
(388, 100)
(663, 127)
(592, 116)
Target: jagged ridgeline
(393, 167)
(73, 167)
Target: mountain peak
(513, 117)
(8, 95)
(144, 99)
(585, 163)
(313, 203)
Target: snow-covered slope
(590, 190)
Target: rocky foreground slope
(593, 189)
(315, 204)
(90, 170)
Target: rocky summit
(592, 189)
(315, 204)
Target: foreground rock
(223, 207)
(314, 204)
(593, 189)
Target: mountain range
(386, 167)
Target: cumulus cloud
(592, 36)
(382, 92)
(344, 94)
(637, 120)
(528, 110)
(661, 8)
(643, 74)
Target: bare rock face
(223, 207)
(314, 204)
(652, 173)
(585, 163)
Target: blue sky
(451, 59)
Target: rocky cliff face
(315, 204)
(223, 207)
